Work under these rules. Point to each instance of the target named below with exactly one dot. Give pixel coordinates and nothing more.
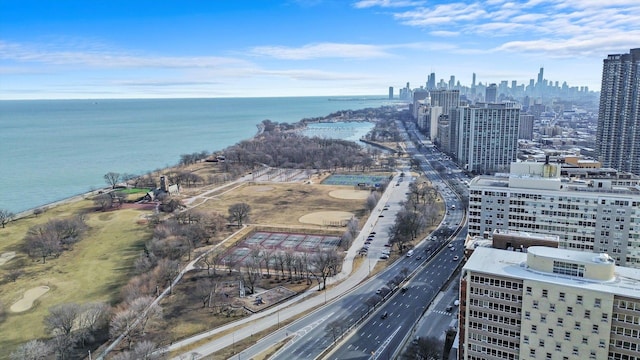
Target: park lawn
(95, 270)
(283, 204)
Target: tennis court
(356, 179)
(280, 242)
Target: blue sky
(228, 48)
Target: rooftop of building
(626, 281)
(568, 185)
(527, 235)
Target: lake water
(53, 149)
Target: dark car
(384, 315)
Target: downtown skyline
(145, 49)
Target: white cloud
(551, 27)
(386, 3)
(322, 50)
(106, 59)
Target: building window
(567, 335)
(585, 340)
(525, 339)
(579, 299)
(594, 329)
(592, 355)
(527, 315)
(561, 296)
(534, 329)
(605, 317)
(578, 325)
(597, 303)
(550, 332)
(528, 290)
(567, 268)
(560, 321)
(587, 314)
(548, 356)
(575, 350)
(535, 304)
(569, 310)
(552, 307)
(545, 293)
(541, 343)
(558, 346)
(602, 343)
(543, 318)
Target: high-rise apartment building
(586, 215)
(618, 134)
(484, 137)
(390, 92)
(447, 99)
(548, 303)
(526, 127)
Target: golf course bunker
(350, 194)
(6, 256)
(327, 218)
(28, 298)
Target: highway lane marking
(300, 333)
(376, 353)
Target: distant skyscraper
(618, 134)
(452, 82)
(431, 82)
(540, 77)
(390, 92)
(491, 94)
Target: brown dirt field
(285, 203)
(326, 218)
(350, 194)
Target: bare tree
(103, 201)
(324, 264)
(5, 217)
(251, 273)
(61, 318)
(122, 323)
(429, 348)
(166, 271)
(92, 318)
(32, 350)
(239, 213)
(267, 257)
(144, 350)
(335, 328)
(203, 291)
(42, 242)
(112, 179)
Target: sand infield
(326, 218)
(350, 194)
(28, 298)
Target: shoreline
(84, 195)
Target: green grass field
(95, 270)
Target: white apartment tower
(592, 216)
(484, 137)
(548, 303)
(618, 135)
